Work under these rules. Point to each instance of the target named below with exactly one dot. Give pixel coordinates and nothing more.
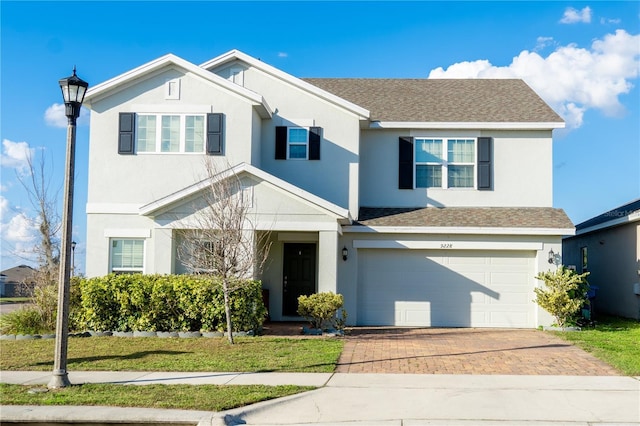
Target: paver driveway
(464, 351)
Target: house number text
(446, 245)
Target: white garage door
(442, 288)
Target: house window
(436, 168)
(127, 256)
(297, 143)
(584, 259)
(170, 133)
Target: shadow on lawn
(135, 355)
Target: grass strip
(250, 354)
(613, 340)
(15, 299)
(184, 397)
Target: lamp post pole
(73, 90)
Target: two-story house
(424, 202)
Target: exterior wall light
(345, 253)
(552, 256)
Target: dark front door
(298, 275)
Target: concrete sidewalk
(373, 399)
(166, 378)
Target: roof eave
(633, 217)
(103, 89)
(232, 55)
(466, 125)
(459, 230)
(162, 204)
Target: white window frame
(305, 144)
(444, 162)
(127, 270)
(183, 133)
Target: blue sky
(583, 58)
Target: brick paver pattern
(464, 351)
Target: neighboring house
(17, 281)
(423, 202)
(608, 247)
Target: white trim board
(457, 125)
(456, 230)
(447, 245)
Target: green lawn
(15, 299)
(614, 340)
(255, 354)
(185, 397)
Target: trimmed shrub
(137, 302)
(321, 310)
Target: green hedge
(139, 302)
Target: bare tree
(43, 199)
(42, 284)
(223, 240)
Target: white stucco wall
(145, 177)
(330, 177)
(522, 171)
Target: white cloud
(571, 79)
(19, 230)
(614, 21)
(54, 116)
(4, 207)
(283, 55)
(19, 235)
(572, 16)
(543, 42)
(15, 155)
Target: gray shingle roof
(442, 100)
(491, 217)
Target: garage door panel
(461, 289)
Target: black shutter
(314, 143)
(405, 162)
(485, 169)
(126, 126)
(214, 133)
(281, 142)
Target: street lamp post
(73, 258)
(73, 90)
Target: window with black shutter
(485, 171)
(298, 143)
(405, 162)
(126, 126)
(214, 133)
